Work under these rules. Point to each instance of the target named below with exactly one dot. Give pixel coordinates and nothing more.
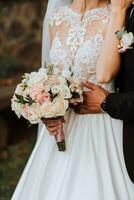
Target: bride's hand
(120, 5)
(53, 125)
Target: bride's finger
(53, 131)
(47, 121)
(52, 122)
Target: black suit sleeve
(121, 106)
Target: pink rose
(42, 98)
(35, 90)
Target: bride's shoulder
(57, 16)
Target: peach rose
(48, 111)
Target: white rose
(16, 107)
(127, 40)
(55, 89)
(42, 70)
(65, 92)
(57, 108)
(61, 106)
(66, 74)
(19, 89)
(33, 78)
(36, 77)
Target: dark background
(20, 51)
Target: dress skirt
(92, 167)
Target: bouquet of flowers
(43, 94)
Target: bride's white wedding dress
(93, 167)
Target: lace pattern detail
(76, 46)
(65, 13)
(86, 59)
(77, 30)
(57, 17)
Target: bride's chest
(75, 48)
(77, 41)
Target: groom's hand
(92, 99)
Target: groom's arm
(120, 106)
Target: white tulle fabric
(93, 166)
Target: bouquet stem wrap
(60, 138)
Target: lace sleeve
(56, 18)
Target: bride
(93, 167)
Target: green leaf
(50, 69)
(29, 100)
(119, 34)
(20, 99)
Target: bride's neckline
(92, 10)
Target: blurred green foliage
(9, 66)
(12, 167)
(4, 4)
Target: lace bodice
(78, 41)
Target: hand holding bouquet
(43, 94)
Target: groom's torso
(126, 74)
(125, 82)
